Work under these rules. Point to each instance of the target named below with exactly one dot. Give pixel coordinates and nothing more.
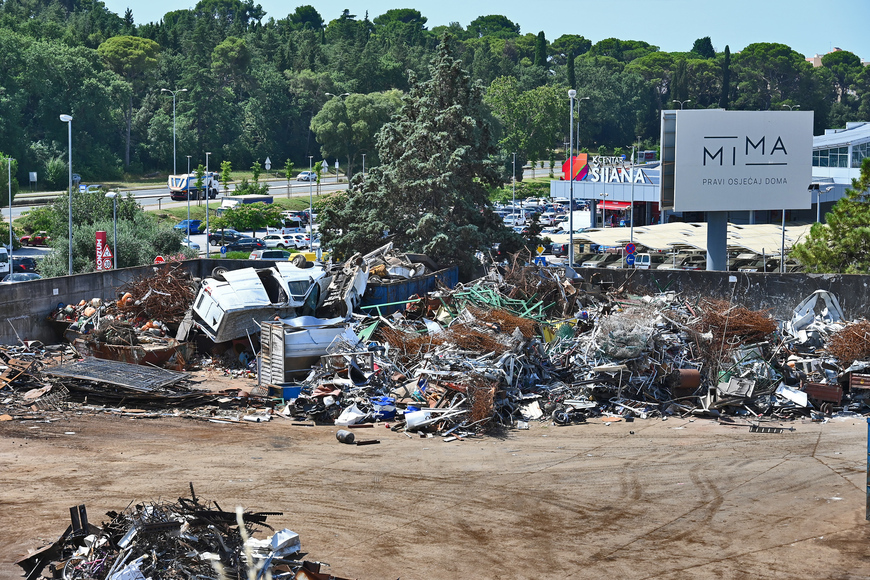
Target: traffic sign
(540, 261)
(159, 260)
(629, 260)
(268, 164)
(107, 263)
(224, 250)
(630, 248)
(540, 249)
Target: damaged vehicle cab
(232, 303)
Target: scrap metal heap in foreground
(190, 538)
(523, 343)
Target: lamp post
(818, 189)
(207, 249)
(310, 205)
(791, 107)
(604, 197)
(364, 166)
(514, 188)
(9, 182)
(569, 271)
(188, 197)
(174, 172)
(682, 102)
(113, 195)
(68, 120)
(631, 219)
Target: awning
(614, 204)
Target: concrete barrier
(25, 306)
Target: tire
(281, 247)
(299, 261)
(218, 273)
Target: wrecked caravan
(233, 303)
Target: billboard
(741, 160)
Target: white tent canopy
(757, 238)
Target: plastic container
(384, 408)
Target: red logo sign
(101, 247)
(581, 167)
(159, 260)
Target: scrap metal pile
(526, 344)
(140, 326)
(190, 538)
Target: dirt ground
(673, 499)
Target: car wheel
(218, 273)
(281, 246)
(298, 261)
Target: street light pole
(792, 107)
(9, 182)
(682, 102)
(631, 219)
(174, 172)
(364, 166)
(187, 180)
(68, 120)
(514, 189)
(114, 197)
(569, 271)
(207, 249)
(578, 121)
(310, 205)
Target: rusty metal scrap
(851, 343)
(190, 538)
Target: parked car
(246, 244)
(282, 241)
(306, 176)
(19, 277)
(560, 250)
(220, 237)
(37, 239)
(644, 261)
(270, 255)
(600, 260)
(189, 226)
(23, 264)
(188, 243)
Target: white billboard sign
(742, 160)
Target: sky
(808, 26)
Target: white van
(649, 261)
(5, 266)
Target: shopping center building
(609, 184)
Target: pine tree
(843, 243)
(429, 194)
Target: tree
(842, 244)
(132, 58)
(494, 25)
(845, 67)
(429, 194)
(726, 79)
(307, 17)
(252, 216)
(541, 50)
(347, 127)
(532, 121)
(703, 47)
(572, 77)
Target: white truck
(183, 187)
(5, 266)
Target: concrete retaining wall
(24, 306)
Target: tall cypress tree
(541, 50)
(572, 80)
(726, 79)
(429, 194)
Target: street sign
(541, 261)
(223, 250)
(268, 164)
(630, 248)
(159, 260)
(540, 249)
(629, 260)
